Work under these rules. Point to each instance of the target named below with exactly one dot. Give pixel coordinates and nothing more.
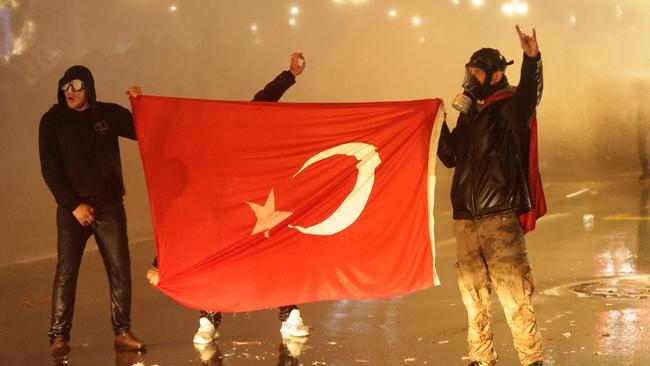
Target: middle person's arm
(274, 90)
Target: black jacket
(489, 150)
(272, 92)
(79, 151)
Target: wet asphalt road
(597, 234)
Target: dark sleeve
(125, 125)
(155, 262)
(529, 91)
(52, 167)
(273, 91)
(447, 147)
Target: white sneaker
(293, 344)
(294, 325)
(206, 333)
(206, 352)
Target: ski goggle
(76, 85)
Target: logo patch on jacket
(101, 128)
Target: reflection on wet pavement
(129, 358)
(621, 333)
(592, 304)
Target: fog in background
(595, 53)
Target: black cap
(489, 60)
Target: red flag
(535, 189)
(527, 220)
(256, 205)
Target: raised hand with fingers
(298, 63)
(528, 43)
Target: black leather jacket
(489, 149)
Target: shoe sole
(133, 348)
(294, 334)
(204, 341)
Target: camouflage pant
(492, 251)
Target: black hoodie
(79, 151)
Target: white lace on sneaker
(294, 326)
(206, 332)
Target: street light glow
(514, 7)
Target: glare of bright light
(619, 11)
(422, 39)
(477, 2)
(573, 19)
(514, 7)
(455, 2)
(522, 8)
(25, 39)
(173, 8)
(416, 21)
(292, 22)
(8, 3)
(254, 28)
(392, 13)
(349, 2)
(294, 10)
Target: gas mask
(490, 61)
(473, 90)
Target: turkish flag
(256, 205)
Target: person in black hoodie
(489, 191)
(209, 321)
(80, 163)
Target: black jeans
(109, 230)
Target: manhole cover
(624, 287)
(616, 288)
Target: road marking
(574, 194)
(626, 217)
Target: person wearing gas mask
(490, 148)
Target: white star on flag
(267, 216)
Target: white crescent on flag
(355, 202)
